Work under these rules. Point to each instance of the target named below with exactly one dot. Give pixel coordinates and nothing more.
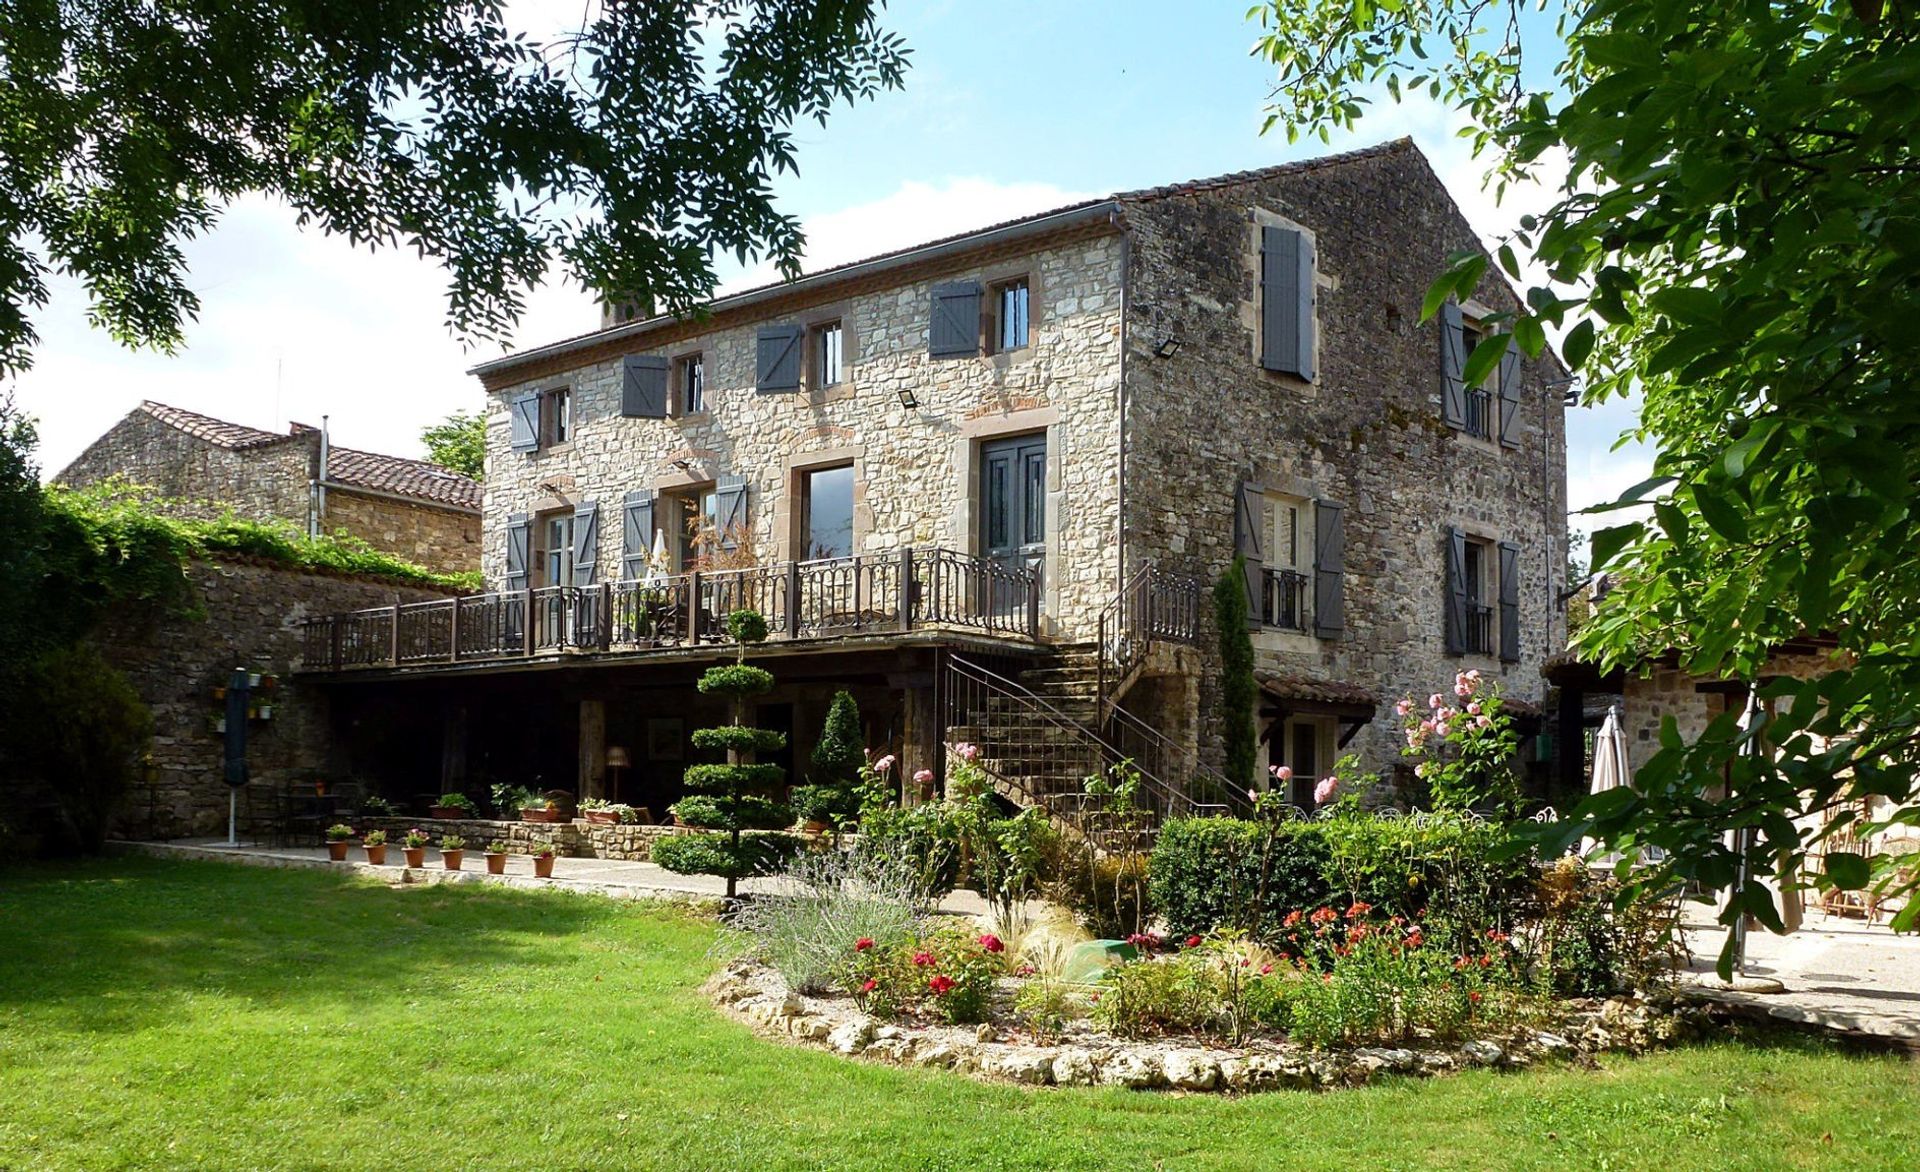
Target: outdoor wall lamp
(685, 466)
(1168, 347)
(908, 399)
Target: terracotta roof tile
(403, 477)
(1283, 687)
(214, 431)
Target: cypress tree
(837, 758)
(1236, 672)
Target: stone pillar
(593, 749)
(453, 747)
(921, 736)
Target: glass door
(1013, 497)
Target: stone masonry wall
(1648, 699)
(251, 618)
(261, 482)
(915, 469)
(439, 539)
(1366, 434)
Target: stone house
(417, 510)
(986, 482)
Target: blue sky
(1009, 108)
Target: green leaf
(1722, 515)
(1847, 870)
(1485, 359)
(1579, 343)
(1607, 543)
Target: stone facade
(1146, 328)
(914, 468)
(205, 467)
(1366, 433)
(250, 617)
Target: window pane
(1034, 497)
(828, 502)
(826, 348)
(1013, 315)
(693, 385)
(997, 504)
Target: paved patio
(1841, 974)
(614, 878)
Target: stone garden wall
(250, 615)
(575, 839)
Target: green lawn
(167, 1014)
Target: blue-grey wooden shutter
(777, 359)
(586, 543)
(524, 412)
(1509, 602)
(643, 386)
(1286, 301)
(953, 330)
(636, 533)
(1248, 511)
(519, 543)
(1456, 591)
(1453, 367)
(1329, 569)
(1510, 397)
(730, 511)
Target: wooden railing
(904, 591)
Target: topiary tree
(733, 807)
(837, 758)
(1236, 671)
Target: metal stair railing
(1154, 605)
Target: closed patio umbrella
(1609, 769)
(657, 561)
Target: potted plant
(337, 836)
(453, 806)
(600, 812)
(415, 846)
(374, 842)
(453, 848)
(540, 810)
(497, 859)
(543, 853)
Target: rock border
(756, 995)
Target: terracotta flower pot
(377, 855)
(539, 814)
(446, 813)
(603, 817)
(496, 862)
(451, 859)
(337, 850)
(543, 866)
(416, 855)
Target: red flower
(1474, 996)
(1293, 917)
(1325, 915)
(1193, 942)
(1485, 961)
(1415, 939)
(869, 985)
(940, 983)
(1326, 978)
(1496, 935)
(862, 944)
(991, 943)
(1460, 962)
(923, 958)
(1265, 969)
(1358, 909)
(1093, 998)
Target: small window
(691, 384)
(828, 356)
(556, 411)
(556, 549)
(1477, 567)
(1010, 315)
(826, 513)
(1479, 399)
(1285, 577)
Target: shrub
(811, 934)
(924, 836)
(1211, 873)
(749, 811)
(830, 804)
(79, 728)
(460, 802)
(1108, 894)
(950, 972)
(1591, 942)
(1464, 745)
(713, 854)
(841, 750)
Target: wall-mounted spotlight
(908, 399)
(685, 466)
(1168, 347)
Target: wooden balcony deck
(915, 590)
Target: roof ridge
(1255, 175)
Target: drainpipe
(1126, 306)
(318, 509)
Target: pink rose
(1403, 707)
(1474, 675)
(967, 751)
(923, 776)
(883, 764)
(1434, 701)
(1474, 708)
(1323, 792)
(1485, 722)
(1281, 772)
(1462, 689)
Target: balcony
(1283, 599)
(1479, 412)
(915, 589)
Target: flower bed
(1082, 1055)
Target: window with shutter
(636, 534)
(777, 352)
(524, 419)
(1509, 602)
(1510, 397)
(1287, 320)
(730, 511)
(643, 386)
(1248, 511)
(953, 331)
(586, 543)
(1453, 367)
(1329, 570)
(519, 546)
